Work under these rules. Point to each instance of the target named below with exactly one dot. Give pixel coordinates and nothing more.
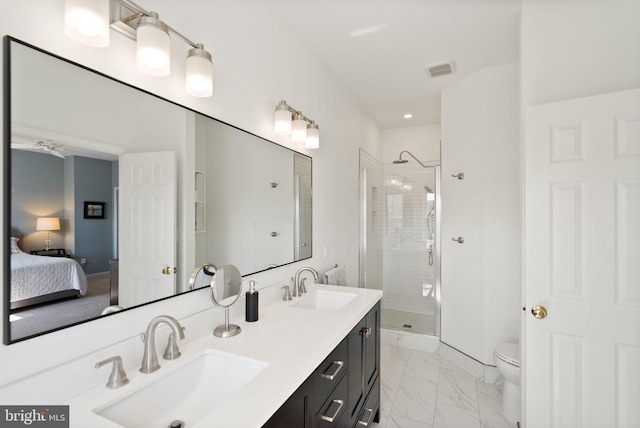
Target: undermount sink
(186, 394)
(324, 300)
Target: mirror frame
(6, 225)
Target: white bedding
(33, 276)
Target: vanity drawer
(329, 373)
(332, 412)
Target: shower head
(428, 189)
(400, 160)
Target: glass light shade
(48, 223)
(282, 120)
(153, 46)
(87, 22)
(199, 73)
(313, 136)
(298, 129)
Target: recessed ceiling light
(408, 116)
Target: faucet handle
(172, 351)
(287, 293)
(302, 288)
(118, 377)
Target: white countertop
(293, 341)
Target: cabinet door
(356, 362)
(372, 347)
(363, 360)
(297, 411)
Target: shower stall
(399, 241)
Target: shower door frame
(437, 244)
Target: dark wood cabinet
(297, 411)
(363, 344)
(344, 391)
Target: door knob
(539, 311)
(168, 270)
(459, 239)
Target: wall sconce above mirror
(88, 22)
(289, 121)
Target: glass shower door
(410, 250)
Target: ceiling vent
(441, 68)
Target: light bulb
(199, 72)
(298, 129)
(282, 119)
(153, 46)
(313, 136)
(87, 22)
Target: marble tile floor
(422, 390)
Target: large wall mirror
(115, 195)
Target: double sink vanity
(309, 362)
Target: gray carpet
(49, 316)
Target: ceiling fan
(48, 146)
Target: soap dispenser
(251, 308)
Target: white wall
(422, 141)
(256, 63)
(576, 48)
(481, 277)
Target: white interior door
(582, 263)
(147, 226)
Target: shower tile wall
(409, 280)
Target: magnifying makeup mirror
(201, 276)
(226, 286)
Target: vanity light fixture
(301, 128)
(88, 22)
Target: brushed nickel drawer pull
(366, 331)
(333, 375)
(332, 418)
(366, 424)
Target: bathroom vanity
(344, 391)
(310, 362)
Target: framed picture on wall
(93, 209)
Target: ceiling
(379, 49)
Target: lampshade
(87, 21)
(48, 223)
(199, 72)
(313, 136)
(153, 46)
(282, 119)
(298, 129)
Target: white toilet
(507, 358)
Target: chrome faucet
(296, 281)
(150, 358)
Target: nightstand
(52, 252)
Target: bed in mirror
(143, 189)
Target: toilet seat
(509, 353)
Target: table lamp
(48, 224)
